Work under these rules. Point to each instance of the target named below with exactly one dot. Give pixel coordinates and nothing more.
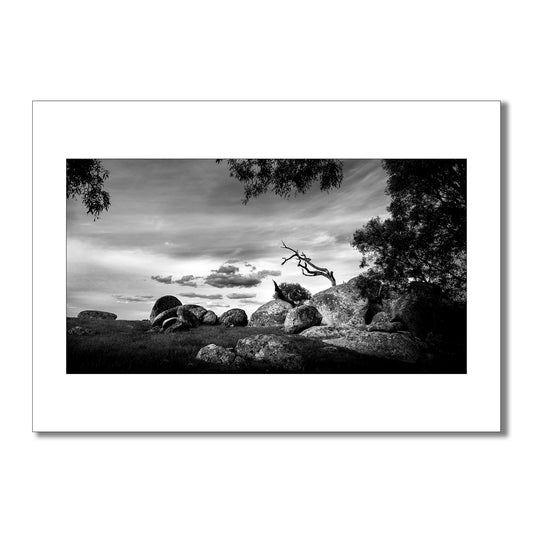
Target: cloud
(231, 280)
(184, 280)
(228, 276)
(237, 296)
(227, 269)
(163, 279)
(127, 299)
(206, 296)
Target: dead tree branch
(306, 265)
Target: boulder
(187, 317)
(324, 332)
(182, 314)
(233, 318)
(197, 310)
(100, 315)
(399, 346)
(276, 352)
(216, 354)
(210, 319)
(300, 318)
(168, 322)
(162, 304)
(272, 313)
(161, 317)
(418, 309)
(341, 305)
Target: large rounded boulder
(197, 310)
(398, 346)
(273, 351)
(183, 316)
(300, 318)
(98, 315)
(169, 322)
(324, 332)
(165, 315)
(187, 317)
(216, 354)
(210, 319)
(272, 313)
(341, 305)
(234, 318)
(162, 304)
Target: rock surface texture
(161, 317)
(187, 317)
(279, 353)
(398, 346)
(324, 332)
(386, 327)
(272, 313)
(341, 305)
(216, 354)
(301, 318)
(234, 318)
(168, 322)
(162, 304)
(210, 319)
(100, 315)
(197, 310)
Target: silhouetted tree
(425, 237)
(85, 179)
(284, 177)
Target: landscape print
(266, 266)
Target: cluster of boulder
(169, 315)
(273, 352)
(293, 319)
(399, 328)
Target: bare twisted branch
(306, 264)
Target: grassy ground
(123, 346)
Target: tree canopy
(284, 177)
(85, 179)
(424, 239)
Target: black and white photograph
(266, 266)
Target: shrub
(294, 292)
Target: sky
(179, 227)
